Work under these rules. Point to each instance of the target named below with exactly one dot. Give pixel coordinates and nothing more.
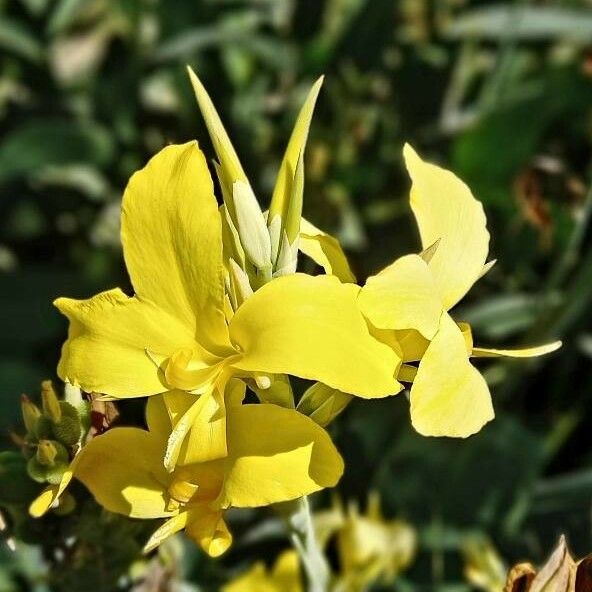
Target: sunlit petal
(265, 465)
(446, 211)
(312, 327)
(449, 397)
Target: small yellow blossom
(123, 468)
(369, 547)
(283, 577)
(407, 303)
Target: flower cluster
(219, 308)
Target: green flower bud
(46, 453)
(44, 428)
(31, 414)
(67, 431)
(51, 405)
(46, 474)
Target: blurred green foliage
(499, 92)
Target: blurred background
(501, 93)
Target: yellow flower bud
(51, 404)
(31, 414)
(46, 453)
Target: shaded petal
(276, 454)
(208, 530)
(172, 241)
(108, 339)
(403, 296)
(449, 397)
(312, 327)
(198, 428)
(123, 470)
(168, 529)
(525, 352)
(325, 251)
(446, 210)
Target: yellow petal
(199, 431)
(208, 530)
(168, 529)
(256, 578)
(403, 296)
(266, 465)
(312, 327)
(526, 352)
(449, 397)
(325, 251)
(172, 241)
(446, 210)
(123, 470)
(286, 572)
(46, 499)
(107, 342)
(283, 194)
(412, 345)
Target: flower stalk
(298, 519)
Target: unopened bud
(46, 453)
(51, 404)
(31, 414)
(323, 403)
(69, 429)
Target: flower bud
(323, 403)
(31, 414)
(68, 430)
(46, 453)
(51, 405)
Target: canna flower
(408, 302)
(262, 467)
(174, 332)
(369, 547)
(283, 577)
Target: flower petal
(266, 466)
(166, 530)
(123, 470)
(525, 352)
(325, 251)
(403, 296)
(446, 210)
(208, 530)
(312, 327)
(107, 342)
(449, 397)
(172, 241)
(198, 428)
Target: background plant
(499, 93)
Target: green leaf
(14, 37)
(524, 23)
(42, 143)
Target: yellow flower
(407, 303)
(284, 577)
(123, 468)
(173, 333)
(369, 548)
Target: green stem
(298, 519)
